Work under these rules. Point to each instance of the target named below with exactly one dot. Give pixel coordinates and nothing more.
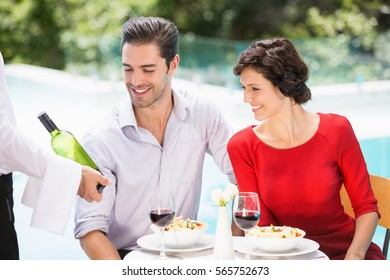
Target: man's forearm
(98, 247)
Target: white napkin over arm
(53, 196)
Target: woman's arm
(364, 231)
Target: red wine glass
(161, 213)
(246, 213)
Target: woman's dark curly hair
(279, 62)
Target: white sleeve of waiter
(54, 181)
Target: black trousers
(9, 249)
(123, 253)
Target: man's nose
(137, 78)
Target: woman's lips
(255, 108)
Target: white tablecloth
(139, 253)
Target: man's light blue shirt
(137, 164)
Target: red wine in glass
(246, 213)
(161, 213)
(246, 220)
(161, 217)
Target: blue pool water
(377, 156)
(77, 111)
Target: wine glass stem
(246, 245)
(162, 252)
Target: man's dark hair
(146, 30)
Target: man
(156, 139)
(52, 188)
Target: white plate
(153, 242)
(304, 247)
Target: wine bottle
(66, 145)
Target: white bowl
(181, 239)
(265, 238)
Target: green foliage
(30, 33)
(349, 21)
(336, 60)
(37, 31)
(78, 34)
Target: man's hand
(90, 178)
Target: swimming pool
(76, 105)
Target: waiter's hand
(90, 178)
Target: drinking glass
(246, 213)
(161, 213)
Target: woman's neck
(288, 129)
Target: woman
(297, 160)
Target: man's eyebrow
(142, 66)
(148, 65)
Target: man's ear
(173, 64)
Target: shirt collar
(125, 113)
(181, 104)
(125, 110)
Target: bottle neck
(48, 123)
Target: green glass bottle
(66, 145)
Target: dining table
(148, 248)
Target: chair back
(381, 187)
